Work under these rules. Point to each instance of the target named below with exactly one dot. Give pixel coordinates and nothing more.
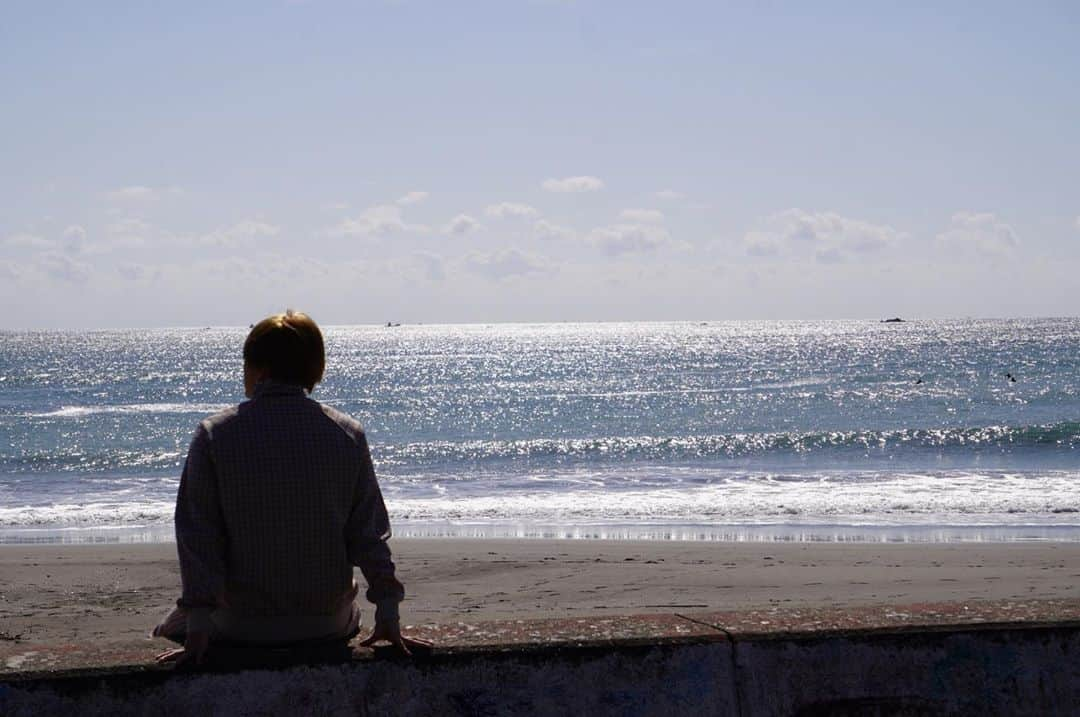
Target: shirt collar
(270, 387)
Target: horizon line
(407, 324)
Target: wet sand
(66, 593)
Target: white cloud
(74, 239)
(511, 209)
(630, 238)
(269, 273)
(378, 221)
(984, 232)
(761, 244)
(648, 216)
(829, 255)
(826, 232)
(461, 224)
(507, 262)
(412, 198)
(28, 241)
(133, 271)
(231, 269)
(241, 234)
(129, 225)
(668, 194)
(129, 232)
(547, 231)
(62, 267)
(573, 184)
(432, 266)
(295, 268)
(140, 193)
(12, 271)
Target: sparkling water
(819, 430)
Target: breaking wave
(1054, 436)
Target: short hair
(290, 346)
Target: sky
(206, 163)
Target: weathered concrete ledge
(1008, 658)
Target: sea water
(832, 430)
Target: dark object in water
(893, 320)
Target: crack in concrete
(733, 652)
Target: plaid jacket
(277, 501)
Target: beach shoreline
(787, 532)
(106, 592)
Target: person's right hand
(391, 632)
(194, 650)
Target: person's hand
(193, 651)
(391, 632)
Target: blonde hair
(290, 346)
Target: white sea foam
(97, 514)
(80, 411)
(961, 498)
(584, 504)
(949, 498)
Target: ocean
(772, 430)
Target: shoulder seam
(348, 425)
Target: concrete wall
(660, 681)
(992, 672)
(728, 664)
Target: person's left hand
(193, 651)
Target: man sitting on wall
(277, 502)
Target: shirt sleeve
(366, 534)
(200, 534)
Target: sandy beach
(64, 593)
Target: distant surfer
(1012, 379)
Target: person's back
(291, 475)
(277, 502)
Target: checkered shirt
(277, 501)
